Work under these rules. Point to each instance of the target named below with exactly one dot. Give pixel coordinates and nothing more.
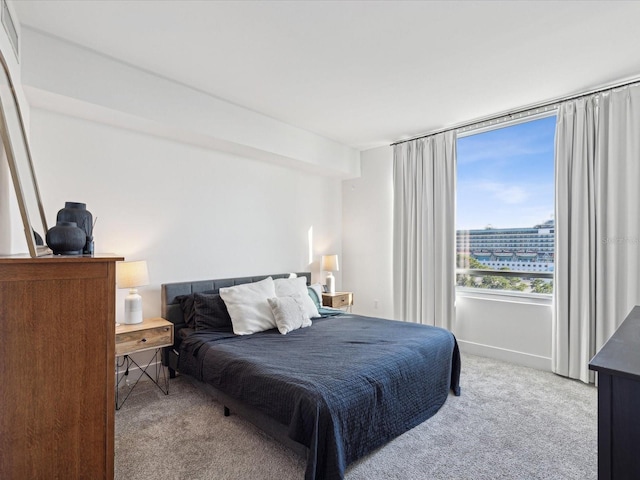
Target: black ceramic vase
(66, 238)
(78, 213)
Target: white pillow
(289, 313)
(248, 306)
(285, 287)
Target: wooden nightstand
(152, 333)
(338, 300)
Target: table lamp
(330, 265)
(132, 275)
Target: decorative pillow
(188, 312)
(315, 292)
(289, 313)
(285, 287)
(248, 306)
(211, 313)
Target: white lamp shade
(132, 274)
(330, 263)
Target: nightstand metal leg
(123, 377)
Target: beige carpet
(510, 422)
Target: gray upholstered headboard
(171, 307)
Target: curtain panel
(597, 224)
(424, 175)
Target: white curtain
(597, 224)
(424, 175)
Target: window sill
(505, 295)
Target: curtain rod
(534, 106)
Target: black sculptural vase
(78, 213)
(66, 238)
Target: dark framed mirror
(23, 175)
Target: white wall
(367, 225)
(62, 77)
(507, 327)
(192, 213)
(511, 328)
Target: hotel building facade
(519, 249)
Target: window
(505, 205)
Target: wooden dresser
(57, 337)
(618, 367)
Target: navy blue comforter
(344, 386)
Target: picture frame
(16, 146)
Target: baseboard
(519, 358)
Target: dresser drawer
(140, 340)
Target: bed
(334, 391)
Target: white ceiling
(362, 73)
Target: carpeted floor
(510, 423)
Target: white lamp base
(331, 283)
(133, 307)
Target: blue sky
(505, 176)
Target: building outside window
(505, 237)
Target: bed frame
(171, 311)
